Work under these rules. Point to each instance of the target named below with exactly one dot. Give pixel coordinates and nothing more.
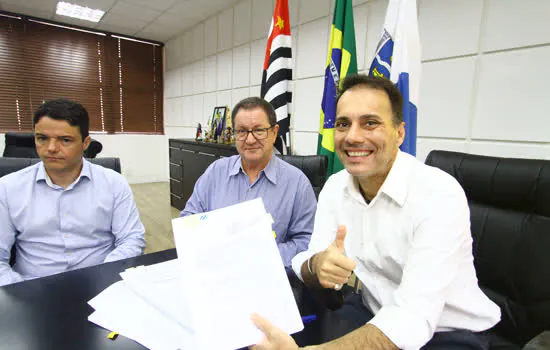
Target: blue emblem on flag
(381, 65)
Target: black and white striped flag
(277, 74)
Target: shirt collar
(397, 181)
(270, 170)
(42, 175)
(396, 184)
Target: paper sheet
(231, 256)
(121, 310)
(162, 286)
(228, 267)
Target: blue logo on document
(203, 217)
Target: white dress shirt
(413, 249)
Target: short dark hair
(255, 102)
(376, 83)
(63, 109)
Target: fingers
(262, 324)
(340, 236)
(333, 269)
(337, 264)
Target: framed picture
(219, 121)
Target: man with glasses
(286, 192)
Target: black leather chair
(21, 145)
(314, 167)
(509, 203)
(10, 165)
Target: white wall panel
(512, 97)
(198, 42)
(210, 74)
(375, 24)
(312, 48)
(307, 104)
(510, 150)
(516, 23)
(305, 143)
(262, 11)
(241, 23)
(187, 80)
(446, 98)
(172, 83)
(257, 55)
(225, 70)
(225, 30)
(241, 66)
(439, 21)
(314, 9)
(211, 36)
(198, 77)
(237, 95)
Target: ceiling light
(80, 12)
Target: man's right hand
(332, 267)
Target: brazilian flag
(341, 61)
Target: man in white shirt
(402, 227)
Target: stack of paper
(228, 267)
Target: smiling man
(256, 172)
(402, 227)
(64, 213)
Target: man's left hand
(275, 339)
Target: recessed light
(80, 12)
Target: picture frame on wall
(219, 121)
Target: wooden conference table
(52, 312)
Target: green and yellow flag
(341, 61)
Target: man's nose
(355, 134)
(52, 145)
(250, 138)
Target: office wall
(484, 80)
(144, 158)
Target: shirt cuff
(299, 260)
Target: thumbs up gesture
(332, 267)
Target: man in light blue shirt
(65, 213)
(286, 192)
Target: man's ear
(276, 131)
(86, 142)
(400, 134)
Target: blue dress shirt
(286, 192)
(92, 221)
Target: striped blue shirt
(286, 192)
(92, 221)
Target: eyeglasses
(259, 133)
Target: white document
(230, 258)
(162, 286)
(121, 310)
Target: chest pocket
(384, 247)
